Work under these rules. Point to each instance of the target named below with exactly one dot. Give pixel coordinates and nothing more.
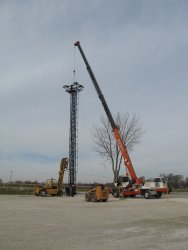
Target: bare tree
(106, 146)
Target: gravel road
(70, 223)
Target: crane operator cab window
(123, 181)
(159, 180)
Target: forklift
(52, 188)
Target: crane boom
(124, 152)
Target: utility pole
(11, 176)
(73, 90)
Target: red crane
(117, 135)
(124, 185)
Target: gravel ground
(53, 223)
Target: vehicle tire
(116, 194)
(43, 193)
(60, 193)
(36, 194)
(104, 200)
(147, 194)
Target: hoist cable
(74, 65)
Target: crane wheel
(116, 193)
(147, 194)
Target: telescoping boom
(124, 152)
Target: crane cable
(74, 65)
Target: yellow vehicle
(100, 193)
(51, 188)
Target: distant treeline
(174, 181)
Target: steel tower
(73, 90)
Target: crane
(124, 152)
(134, 185)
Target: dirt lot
(53, 223)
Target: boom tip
(77, 43)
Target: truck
(130, 184)
(52, 188)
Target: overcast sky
(138, 51)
